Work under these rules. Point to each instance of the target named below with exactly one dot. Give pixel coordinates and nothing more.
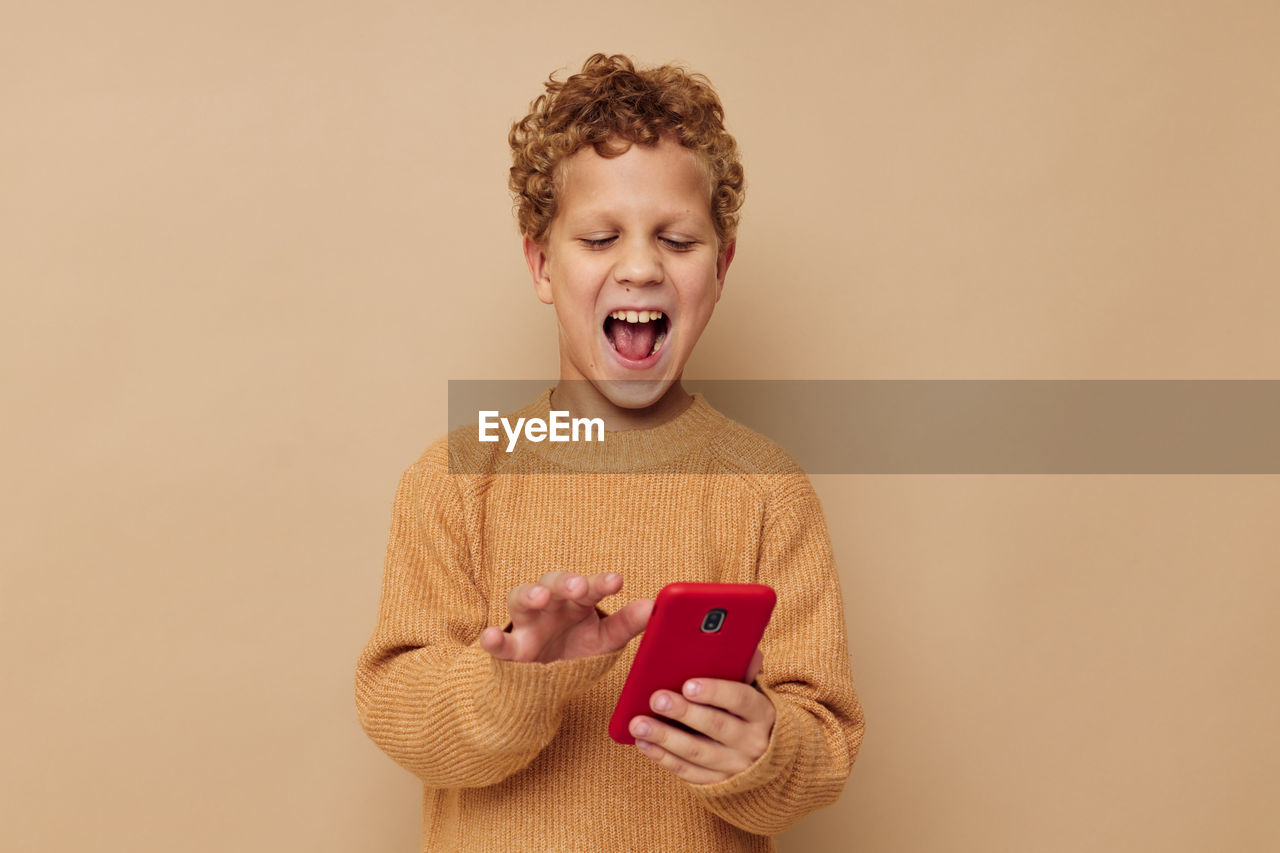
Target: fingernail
(640, 729)
(613, 576)
(662, 702)
(692, 688)
(573, 584)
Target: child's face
(632, 233)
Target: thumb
(623, 626)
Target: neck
(583, 399)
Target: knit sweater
(516, 756)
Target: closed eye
(602, 242)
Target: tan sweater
(517, 756)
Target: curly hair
(611, 105)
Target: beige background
(244, 245)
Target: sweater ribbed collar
(631, 450)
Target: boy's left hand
(732, 721)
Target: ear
(722, 265)
(535, 254)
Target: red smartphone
(696, 630)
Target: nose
(639, 264)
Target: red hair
(611, 105)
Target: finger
(739, 699)
(601, 586)
(753, 668)
(526, 599)
(717, 724)
(620, 628)
(679, 767)
(564, 585)
(499, 643)
(690, 751)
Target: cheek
(704, 299)
(574, 321)
(696, 320)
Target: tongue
(633, 340)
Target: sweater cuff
(523, 693)
(747, 792)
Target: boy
(627, 189)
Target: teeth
(636, 316)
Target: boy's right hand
(557, 619)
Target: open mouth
(636, 335)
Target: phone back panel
(675, 647)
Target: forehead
(665, 180)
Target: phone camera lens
(713, 621)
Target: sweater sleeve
(806, 675)
(426, 693)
